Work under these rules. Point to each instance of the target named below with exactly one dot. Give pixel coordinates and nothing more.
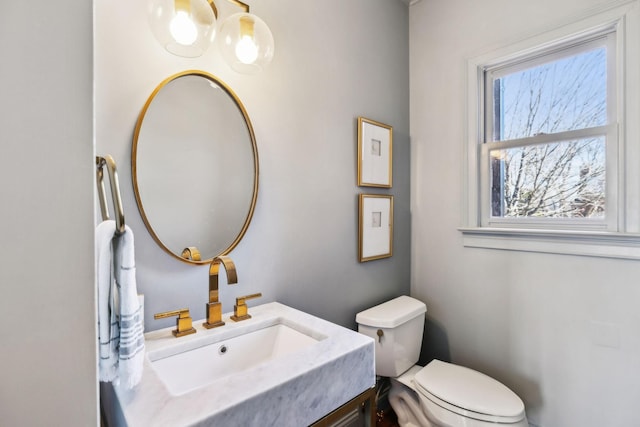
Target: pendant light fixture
(183, 27)
(246, 42)
(188, 27)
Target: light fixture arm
(242, 5)
(214, 8)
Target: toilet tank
(397, 327)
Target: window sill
(581, 243)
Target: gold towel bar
(115, 191)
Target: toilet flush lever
(380, 334)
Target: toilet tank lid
(391, 313)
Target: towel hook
(115, 191)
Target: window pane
(561, 95)
(556, 180)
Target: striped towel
(120, 320)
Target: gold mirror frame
(134, 168)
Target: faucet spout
(214, 307)
(214, 268)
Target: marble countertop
(294, 390)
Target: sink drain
(222, 350)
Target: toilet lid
(468, 392)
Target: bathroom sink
(282, 367)
(191, 369)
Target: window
(551, 163)
(549, 136)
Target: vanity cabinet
(358, 412)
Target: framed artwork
(375, 233)
(375, 150)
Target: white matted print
(375, 227)
(375, 149)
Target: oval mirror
(195, 167)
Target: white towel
(120, 322)
(107, 324)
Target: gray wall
(48, 341)
(535, 321)
(334, 61)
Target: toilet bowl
(444, 394)
(439, 394)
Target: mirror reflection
(195, 166)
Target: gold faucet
(183, 322)
(240, 310)
(214, 307)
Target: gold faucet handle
(240, 310)
(184, 324)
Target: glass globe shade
(246, 43)
(183, 27)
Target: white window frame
(619, 235)
(606, 39)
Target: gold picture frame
(375, 226)
(375, 154)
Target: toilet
(440, 394)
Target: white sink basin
(188, 370)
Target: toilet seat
(468, 393)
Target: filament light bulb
(182, 28)
(246, 50)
